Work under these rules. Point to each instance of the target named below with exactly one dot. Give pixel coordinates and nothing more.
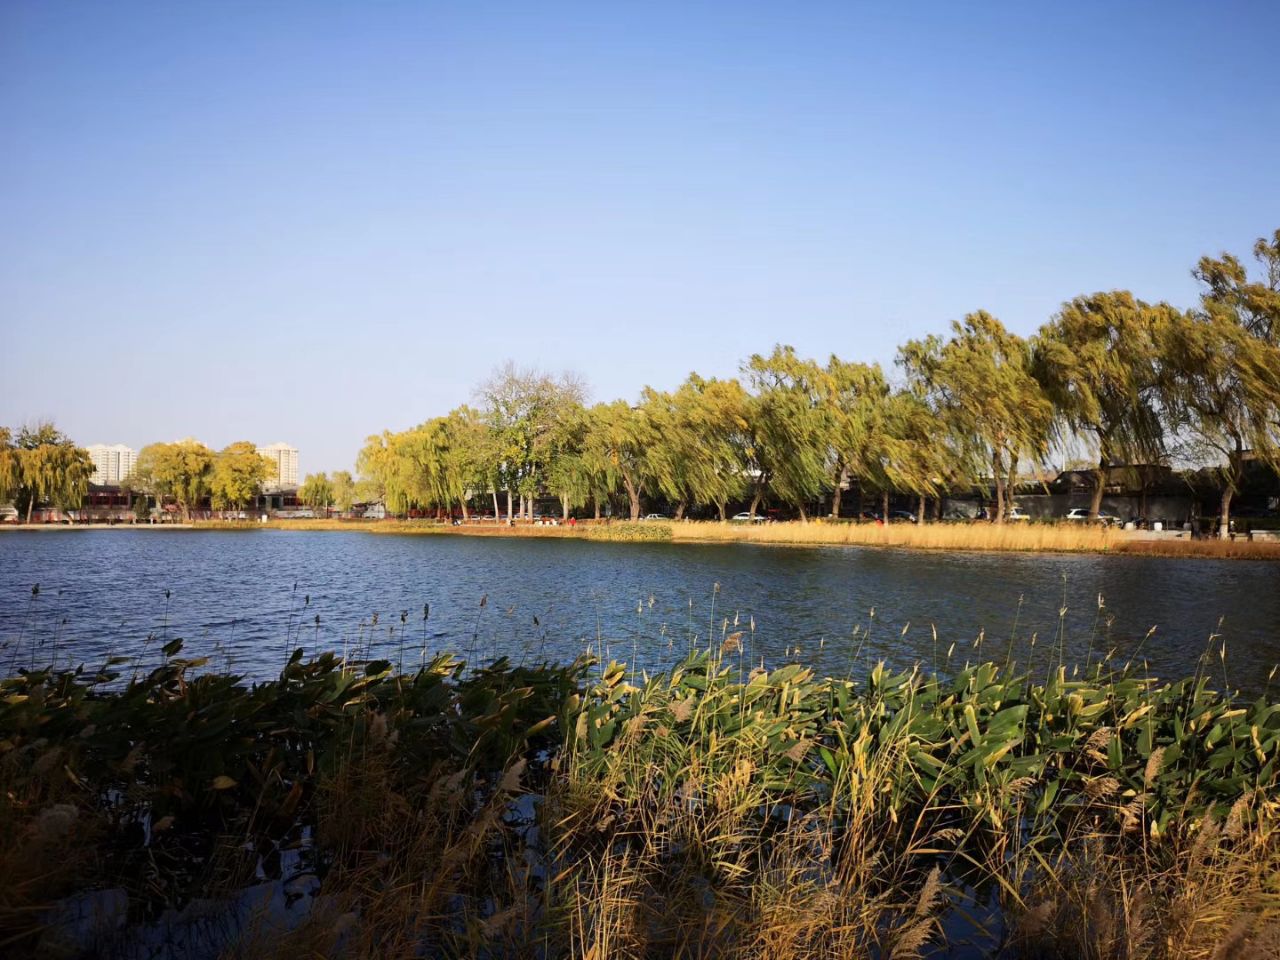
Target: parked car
(654, 516)
(1082, 513)
(902, 515)
(746, 518)
(1017, 513)
(869, 515)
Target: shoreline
(939, 537)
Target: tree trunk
(1011, 483)
(510, 515)
(884, 506)
(680, 509)
(463, 503)
(497, 512)
(633, 495)
(841, 479)
(997, 470)
(720, 506)
(564, 507)
(804, 517)
(1235, 468)
(595, 502)
(924, 502)
(30, 505)
(755, 501)
(1099, 484)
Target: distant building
(111, 464)
(285, 459)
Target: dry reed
(976, 536)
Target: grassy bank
(712, 810)
(1011, 537)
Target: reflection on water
(248, 597)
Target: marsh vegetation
(586, 810)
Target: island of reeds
(350, 809)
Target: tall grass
(930, 536)
(1009, 537)
(712, 810)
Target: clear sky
(309, 222)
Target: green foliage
(181, 472)
(792, 424)
(642, 531)
(200, 756)
(316, 491)
(42, 465)
(237, 475)
(1221, 376)
(981, 381)
(1109, 374)
(183, 780)
(1099, 364)
(344, 490)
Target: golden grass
(1218, 549)
(1073, 538)
(1009, 537)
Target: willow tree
(10, 470)
(1222, 377)
(43, 465)
(697, 454)
(316, 491)
(382, 469)
(568, 474)
(237, 476)
(180, 472)
(1254, 304)
(436, 464)
(344, 490)
(918, 454)
(980, 381)
(1097, 360)
(856, 397)
(620, 436)
(791, 426)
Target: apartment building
(112, 463)
(285, 459)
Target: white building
(111, 464)
(285, 459)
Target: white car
(746, 518)
(1018, 513)
(654, 516)
(1082, 513)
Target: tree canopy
(42, 465)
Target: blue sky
(314, 221)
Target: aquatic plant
(712, 807)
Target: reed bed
(713, 810)
(1010, 537)
(1073, 538)
(1238, 549)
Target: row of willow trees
(1133, 382)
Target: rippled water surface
(232, 595)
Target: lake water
(247, 597)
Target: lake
(247, 597)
